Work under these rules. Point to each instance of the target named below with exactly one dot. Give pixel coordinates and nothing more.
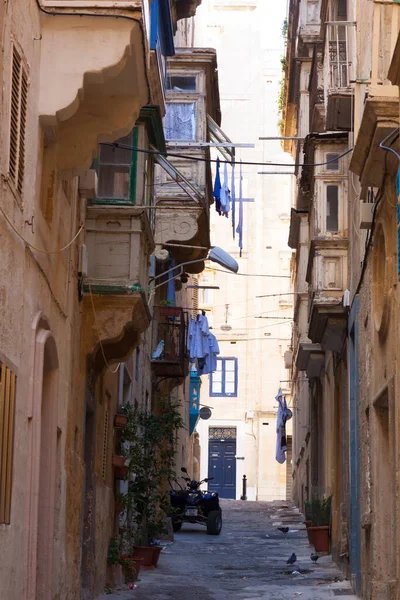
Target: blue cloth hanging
(171, 287)
(233, 198)
(239, 228)
(217, 189)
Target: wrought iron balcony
(169, 357)
(339, 72)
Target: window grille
(105, 446)
(222, 433)
(7, 412)
(19, 95)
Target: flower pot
(307, 523)
(320, 538)
(118, 508)
(170, 311)
(131, 567)
(146, 553)
(120, 421)
(118, 461)
(156, 554)
(120, 472)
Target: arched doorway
(42, 440)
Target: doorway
(222, 461)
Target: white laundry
(225, 194)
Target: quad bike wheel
(176, 526)
(214, 522)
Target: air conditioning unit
(366, 214)
(250, 414)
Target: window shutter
(195, 295)
(7, 411)
(19, 96)
(105, 446)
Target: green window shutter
(134, 162)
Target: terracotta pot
(118, 508)
(156, 554)
(120, 472)
(146, 553)
(170, 311)
(320, 538)
(120, 421)
(118, 461)
(307, 523)
(131, 567)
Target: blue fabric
(217, 189)
(171, 287)
(233, 198)
(239, 228)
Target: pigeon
(158, 351)
(314, 557)
(292, 559)
(283, 529)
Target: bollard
(244, 490)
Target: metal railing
(169, 345)
(339, 50)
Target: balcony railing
(340, 60)
(169, 342)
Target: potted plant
(120, 418)
(114, 569)
(167, 309)
(320, 515)
(148, 442)
(308, 520)
(120, 468)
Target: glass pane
(230, 376)
(180, 83)
(216, 387)
(217, 376)
(117, 156)
(229, 388)
(219, 364)
(334, 164)
(332, 208)
(229, 365)
(114, 182)
(180, 121)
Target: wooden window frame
(133, 176)
(223, 381)
(19, 86)
(7, 418)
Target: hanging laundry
(284, 414)
(210, 364)
(239, 229)
(225, 195)
(217, 189)
(202, 345)
(197, 343)
(233, 198)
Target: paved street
(246, 562)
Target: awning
(216, 135)
(180, 179)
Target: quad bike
(193, 505)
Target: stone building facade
(83, 250)
(342, 113)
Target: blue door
(222, 467)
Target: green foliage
(113, 557)
(284, 30)
(166, 303)
(148, 441)
(281, 95)
(318, 511)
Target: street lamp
(216, 255)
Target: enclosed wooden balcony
(93, 78)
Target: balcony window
(116, 169)
(168, 346)
(332, 208)
(332, 161)
(180, 121)
(224, 381)
(181, 83)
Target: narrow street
(247, 561)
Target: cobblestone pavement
(246, 562)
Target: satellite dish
(205, 413)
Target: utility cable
(228, 162)
(39, 249)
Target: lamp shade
(224, 259)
